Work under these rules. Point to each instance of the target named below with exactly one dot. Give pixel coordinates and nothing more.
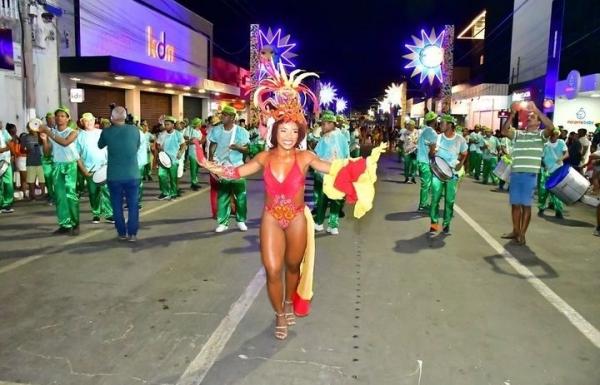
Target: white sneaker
(242, 226)
(221, 228)
(318, 227)
(334, 231)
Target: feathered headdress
(286, 94)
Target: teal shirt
(194, 134)
(170, 143)
(122, 144)
(87, 146)
(64, 154)
(5, 156)
(333, 146)
(449, 148)
(427, 137)
(142, 152)
(493, 144)
(553, 154)
(222, 138)
(476, 141)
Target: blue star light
(426, 56)
(277, 46)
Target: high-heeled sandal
(281, 332)
(290, 318)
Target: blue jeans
(127, 189)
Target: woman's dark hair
(301, 132)
(10, 126)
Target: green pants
(439, 188)
(544, 194)
(475, 159)
(400, 154)
(143, 170)
(410, 165)
(323, 202)
(147, 174)
(65, 191)
(47, 167)
(425, 193)
(193, 170)
(7, 189)
(99, 199)
(226, 189)
(80, 183)
(488, 170)
(167, 180)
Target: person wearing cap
(453, 149)
(354, 141)
(504, 153)
(33, 147)
(170, 141)
(122, 142)
(409, 137)
(528, 148)
(228, 144)
(342, 125)
(192, 134)
(91, 158)
(425, 143)
(332, 146)
(554, 154)
(475, 153)
(489, 155)
(7, 188)
(60, 142)
(47, 162)
(143, 158)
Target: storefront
(152, 61)
(480, 104)
(578, 102)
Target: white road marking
(12, 383)
(93, 233)
(586, 328)
(199, 367)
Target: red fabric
(293, 182)
(348, 175)
(301, 306)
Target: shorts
(522, 187)
(35, 172)
(21, 164)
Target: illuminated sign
(573, 84)
(159, 48)
(426, 56)
(77, 95)
(522, 95)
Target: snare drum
(180, 168)
(34, 124)
(503, 170)
(164, 160)
(99, 176)
(567, 184)
(4, 166)
(441, 169)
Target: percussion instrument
(99, 176)
(567, 184)
(441, 169)
(164, 160)
(180, 168)
(503, 170)
(34, 124)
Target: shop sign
(580, 118)
(521, 95)
(573, 84)
(503, 114)
(159, 49)
(77, 95)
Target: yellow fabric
(305, 286)
(364, 186)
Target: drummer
(170, 141)
(489, 154)
(192, 134)
(91, 159)
(504, 154)
(554, 155)
(7, 189)
(408, 140)
(528, 148)
(453, 149)
(425, 143)
(47, 162)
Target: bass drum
(441, 169)
(567, 184)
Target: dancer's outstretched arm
(253, 166)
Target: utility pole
(27, 48)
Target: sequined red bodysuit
(284, 200)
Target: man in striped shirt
(528, 147)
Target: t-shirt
(506, 145)
(223, 139)
(170, 143)
(5, 156)
(586, 155)
(122, 144)
(553, 152)
(427, 136)
(574, 153)
(64, 154)
(409, 140)
(142, 152)
(333, 146)
(476, 141)
(34, 149)
(194, 134)
(528, 148)
(449, 148)
(491, 151)
(87, 146)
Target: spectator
(19, 157)
(33, 147)
(585, 148)
(574, 147)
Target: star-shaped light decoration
(327, 94)
(384, 105)
(394, 94)
(276, 46)
(340, 105)
(427, 56)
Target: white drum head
(34, 124)
(180, 168)
(164, 159)
(443, 166)
(99, 176)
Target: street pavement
(392, 304)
